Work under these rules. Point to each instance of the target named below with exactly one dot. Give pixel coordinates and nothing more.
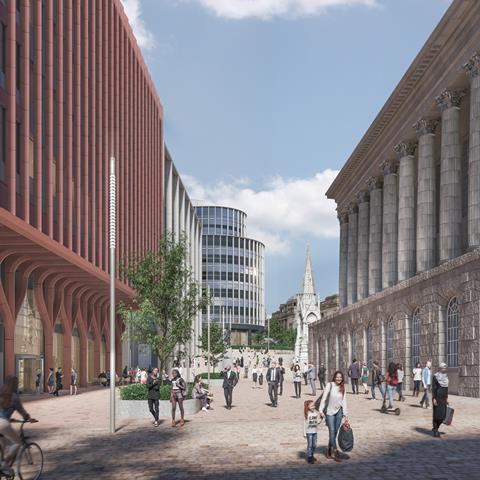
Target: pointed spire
(308, 282)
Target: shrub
(137, 391)
(213, 375)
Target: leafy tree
(282, 335)
(218, 345)
(167, 298)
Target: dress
(440, 394)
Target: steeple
(308, 282)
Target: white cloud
(281, 210)
(145, 37)
(266, 9)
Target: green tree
(166, 300)
(218, 345)
(284, 336)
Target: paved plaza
(252, 441)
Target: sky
(264, 102)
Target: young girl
(417, 379)
(312, 419)
(365, 378)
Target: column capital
(389, 166)
(373, 183)
(472, 67)
(352, 208)
(342, 215)
(405, 148)
(363, 196)
(450, 99)
(426, 126)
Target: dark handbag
(449, 416)
(318, 401)
(345, 438)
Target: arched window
(340, 351)
(389, 341)
(452, 333)
(369, 346)
(415, 334)
(354, 345)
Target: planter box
(139, 408)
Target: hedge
(213, 375)
(137, 391)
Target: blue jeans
(333, 424)
(380, 387)
(391, 389)
(311, 444)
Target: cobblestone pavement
(252, 441)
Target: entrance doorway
(28, 368)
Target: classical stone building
(409, 210)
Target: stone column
(362, 257)
(342, 277)
(450, 176)
(406, 209)
(352, 253)
(472, 68)
(375, 235)
(390, 224)
(426, 195)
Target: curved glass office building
(233, 266)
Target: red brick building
(74, 90)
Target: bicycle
(29, 457)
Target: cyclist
(9, 403)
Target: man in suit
(312, 376)
(230, 379)
(274, 378)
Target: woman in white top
(417, 379)
(334, 400)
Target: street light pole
(268, 334)
(113, 226)
(208, 338)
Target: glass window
(415, 337)
(452, 333)
(389, 341)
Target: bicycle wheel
(30, 462)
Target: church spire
(308, 282)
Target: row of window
(226, 241)
(216, 311)
(233, 293)
(229, 259)
(229, 276)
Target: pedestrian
(334, 399)
(138, 375)
(143, 376)
(58, 381)
(427, 385)
(365, 374)
(376, 379)
(51, 380)
(200, 393)
(9, 403)
(73, 382)
(282, 371)
(260, 378)
(230, 380)
(322, 376)
(354, 374)
(38, 381)
(391, 378)
(312, 377)
(305, 370)
(254, 377)
(439, 398)
(312, 419)
(297, 380)
(400, 376)
(274, 375)
(153, 385)
(417, 379)
(125, 374)
(178, 393)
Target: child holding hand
(312, 419)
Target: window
(354, 345)
(452, 333)
(369, 346)
(389, 341)
(340, 352)
(415, 337)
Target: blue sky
(266, 99)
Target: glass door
(28, 367)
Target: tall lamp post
(208, 337)
(113, 227)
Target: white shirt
(400, 375)
(417, 374)
(336, 400)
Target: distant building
(233, 267)
(330, 305)
(286, 314)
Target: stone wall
(428, 294)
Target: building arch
(415, 331)
(453, 318)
